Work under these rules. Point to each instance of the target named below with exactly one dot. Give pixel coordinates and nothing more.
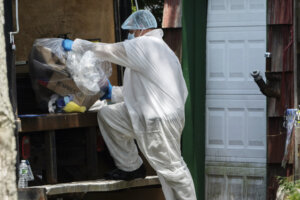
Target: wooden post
(91, 152)
(51, 165)
(296, 86)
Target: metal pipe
(266, 89)
(11, 34)
(136, 4)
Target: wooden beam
(96, 186)
(144, 193)
(57, 121)
(51, 164)
(91, 152)
(36, 194)
(296, 89)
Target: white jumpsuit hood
(149, 108)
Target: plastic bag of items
(88, 72)
(66, 74)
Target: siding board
(280, 12)
(172, 14)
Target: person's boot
(118, 174)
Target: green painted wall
(194, 17)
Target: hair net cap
(141, 19)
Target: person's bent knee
(103, 113)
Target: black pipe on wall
(122, 9)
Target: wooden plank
(58, 121)
(86, 19)
(276, 144)
(280, 45)
(144, 193)
(280, 12)
(97, 186)
(51, 164)
(279, 38)
(275, 125)
(277, 106)
(91, 152)
(32, 194)
(173, 37)
(172, 14)
(296, 89)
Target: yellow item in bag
(73, 107)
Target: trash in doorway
(88, 72)
(53, 71)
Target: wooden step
(57, 121)
(41, 192)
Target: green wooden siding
(194, 19)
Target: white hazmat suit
(149, 108)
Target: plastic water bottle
(23, 174)
(30, 176)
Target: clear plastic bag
(89, 72)
(46, 58)
(54, 47)
(85, 78)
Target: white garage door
(235, 108)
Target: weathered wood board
(86, 19)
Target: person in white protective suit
(149, 108)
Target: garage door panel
(241, 155)
(232, 55)
(216, 67)
(235, 107)
(215, 189)
(256, 188)
(236, 33)
(235, 127)
(216, 127)
(256, 51)
(235, 187)
(236, 59)
(236, 12)
(257, 119)
(236, 124)
(235, 182)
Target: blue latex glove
(108, 91)
(67, 44)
